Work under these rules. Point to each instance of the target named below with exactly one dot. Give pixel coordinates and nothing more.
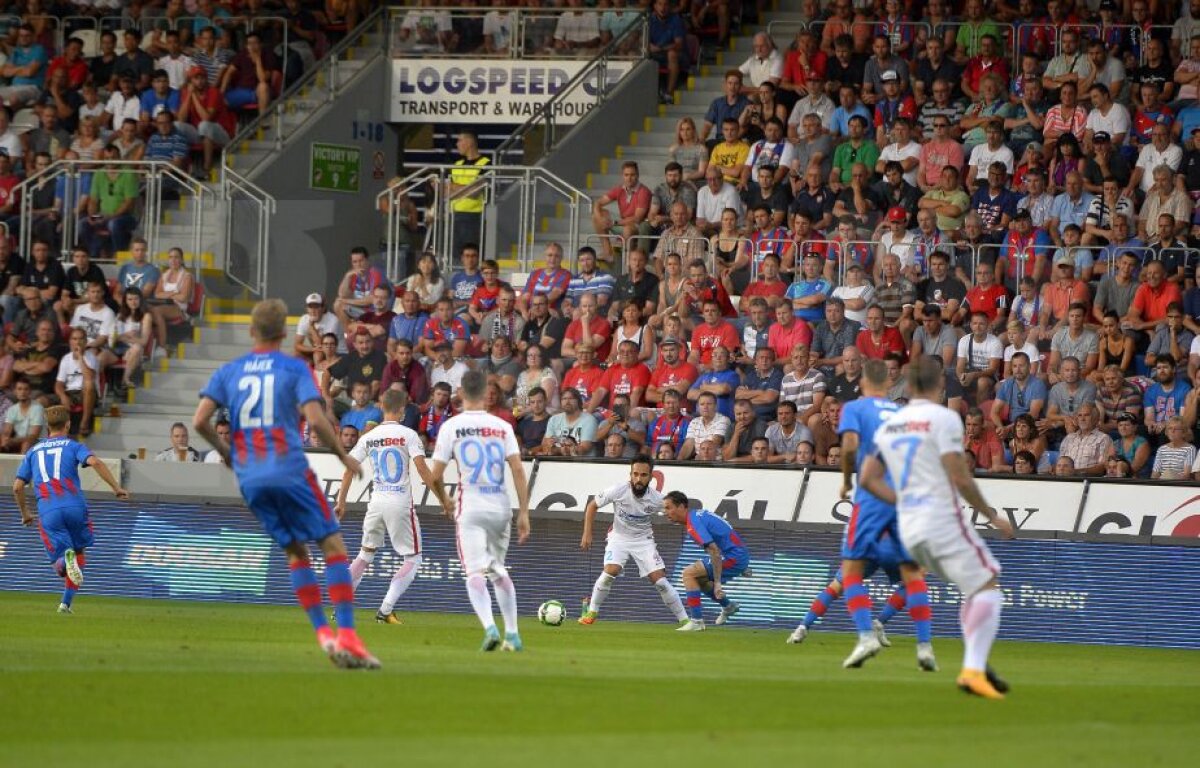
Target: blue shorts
(731, 567)
(869, 523)
(292, 511)
(64, 528)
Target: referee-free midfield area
(166, 683)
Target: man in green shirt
(110, 223)
(857, 149)
(948, 201)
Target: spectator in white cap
(315, 323)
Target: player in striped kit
(52, 468)
(481, 445)
(635, 504)
(386, 453)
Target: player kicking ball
(870, 521)
(887, 558)
(52, 467)
(481, 444)
(635, 504)
(921, 449)
(727, 558)
(385, 453)
(266, 393)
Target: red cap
(197, 70)
(897, 213)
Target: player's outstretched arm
(202, 423)
(872, 477)
(22, 504)
(849, 452)
(96, 463)
(522, 486)
(956, 468)
(314, 414)
(589, 517)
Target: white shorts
(959, 557)
(399, 520)
(643, 551)
(483, 541)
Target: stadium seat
(180, 329)
(25, 120)
(91, 41)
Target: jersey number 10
(260, 390)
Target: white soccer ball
(552, 613)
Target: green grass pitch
(159, 683)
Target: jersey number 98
(483, 458)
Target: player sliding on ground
(385, 453)
(635, 504)
(871, 520)
(921, 448)
(726, 558)
(889, 560)
(481, 444)
(52, 467)
(266, 392)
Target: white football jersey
(480, 443)
(386, 454)
(912, 443)
(631, 515)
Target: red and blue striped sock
(858, 603)
(341, 590)
(308, 592)
(693, 604)
(819, 606)
(894, 604)
(919, 610)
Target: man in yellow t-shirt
(730, 155)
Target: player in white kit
(385, 452)
(481, 444)
(922, 449)
(635, 504)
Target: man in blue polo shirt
(666, 45)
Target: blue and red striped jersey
(52, 468)
(264, 392)
(706, 528)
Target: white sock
(481, 601)
(359, 566)
(670, 598)
(506, 598)
(401, 580)
(980, 617)
(600, 591)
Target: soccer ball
(552, 613)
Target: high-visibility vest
(464, 176)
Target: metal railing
(152, 174)
(515, 199)
(285, 103)
(595, 73)
(515, 33)
(247, 265)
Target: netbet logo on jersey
(478, 432)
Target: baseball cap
(1101, 136)
(1023, 213)
(315, 298)
(854, 265)
(1164, 120)
(889, 76)
(1064, 258)
(897, 213)
(197, 70)
(1126, 416)
(669, 340)
(1036, 146)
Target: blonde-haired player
(482, 444)
(385, 452)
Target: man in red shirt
(1149, 307)
(627, 377)
(376, 321)
(767, 285)
(981, 441)
(670, 373)
(713, 332)
(73, 62)
(878, 340)
(986, 296)
(701, 287)
(633, 205)
(787, 332)
(202, 106)
(585, 376)
(589, 327)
